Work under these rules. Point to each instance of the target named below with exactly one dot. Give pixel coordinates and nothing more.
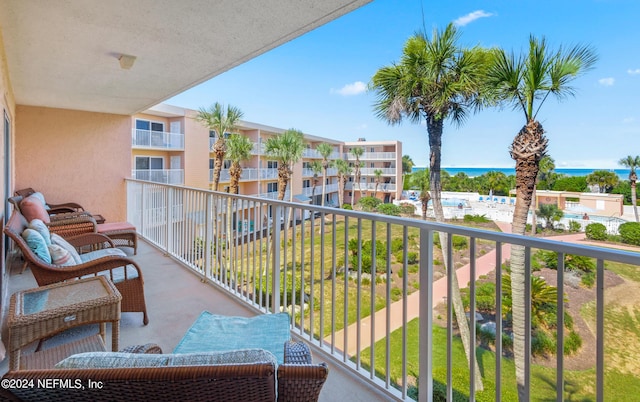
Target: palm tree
(325, 151)
(547, 165)
(526, 82)
(223, 120)
(287, 149)
(378, 174)
(550, 213)
(420, 179)
(357, 152)
(434, 80)
(238, 150)
(344, 171)
(605, 180)
(407, 164)
(316, 168)
(632, 162)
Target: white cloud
(606, 82)
(633, 72)
(469, 18)
(356, 88)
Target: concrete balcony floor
(175, 298)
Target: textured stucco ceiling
(64, 53)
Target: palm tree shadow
(570, 389)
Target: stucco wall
(196, 150)
(72, 155)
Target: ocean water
(477, 171)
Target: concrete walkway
(484, 265)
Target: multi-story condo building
(380, 170)
(170, 146)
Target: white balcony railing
(157, 139)
(341, 312)
(382, 187)
(373, 156)
(248, 174)
(166, 176)
(372, 171)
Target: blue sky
(317, 82)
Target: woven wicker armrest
(65, 207)
(107, 263)
(148, 348)
(97, 241)
(73, 225)
(297, 353)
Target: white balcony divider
(156, 139)
(371, 171)
(382, 187)
(245, 246)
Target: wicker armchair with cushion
(123, 234)
(51, 208)
(54, 259)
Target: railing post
(169, 225)
(425, 366)
(208, 235)
(275, 258)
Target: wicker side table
(39, 313)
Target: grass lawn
(580, 385)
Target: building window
(306, 183)
(372, 165)
(212, 133)
(226, 164)
(149, 125)
(349, 193)
(272, 164)
(149, 163)
(372, 149)
(305, 165)
(272, 187)
(212, 163)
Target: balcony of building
(147, 139)
(204, 250)
(248, 174)
(382, 187)
(165, 176)
(373, 156)
(372, 171)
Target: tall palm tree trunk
(534, 224)
(434, 128)
(634, 200)
(235, 171)
(219, 151)
(324, 185)
(527, 149)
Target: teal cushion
(37, 244)
(122, 360)
(40, 227)
(211, 333)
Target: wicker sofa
(244, 375)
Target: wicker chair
(112, 266)
(65, 224)
(53, 208)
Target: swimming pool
(595, 218)
(453, 202)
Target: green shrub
(459, 242)
(397, 244)
(407, 209)
(574, 226)
(476, 218)
(572, 343)
(588, 279)
(572, 262)
(381, 255)
(369, 204)
(596, 231)
(389, 209)
(630, 233)
(412, 257)
(347, 206)
(542, 344)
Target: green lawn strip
(580, 385)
